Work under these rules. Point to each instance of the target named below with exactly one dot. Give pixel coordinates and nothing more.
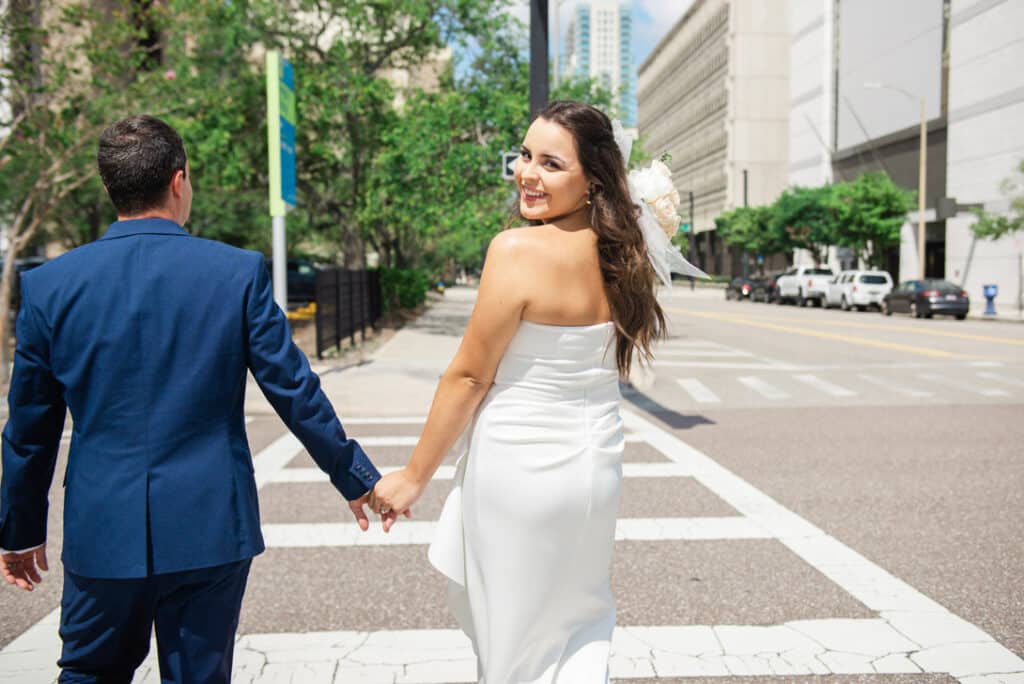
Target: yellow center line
(919, 331)
(924, 351)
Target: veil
(665, 257)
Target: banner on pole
(280, 133)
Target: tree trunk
(6, 285)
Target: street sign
(281, 133)
(685, 228)
(508, 165)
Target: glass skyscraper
(599, 45)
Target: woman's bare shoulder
(519, 241)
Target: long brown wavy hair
(629, 278)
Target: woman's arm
(495, 319)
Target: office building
(599, 45)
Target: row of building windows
(713, 29)
(687, 88)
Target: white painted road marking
(702, 353)
(965, 386)
(893, 387)
(447, 472)
(420, 532)
(825, 386)
(1001, 378)
(698, 391)
(763, 388)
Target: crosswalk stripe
(893, 387)
(691, 344)
(825, 386)
(385, 420)
(1001, 378)
(420, 532)
(447, 472)
(429, 656)
(763, 388)
(702, 353)
(400, 441)
(965, 386)
(698, 391)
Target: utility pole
(745, 269)
(538, 56)
(693, 240)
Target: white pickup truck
(803, 285)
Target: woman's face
(548, 173)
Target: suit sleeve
(31, 438)
(293, 389)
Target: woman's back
(561, 276)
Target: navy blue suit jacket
(145, 336)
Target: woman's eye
(524, 154)
(551, 165)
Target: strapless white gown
(526, 534)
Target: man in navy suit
(146, 336)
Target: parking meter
(990, 295)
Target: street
(806, 492)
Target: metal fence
(346, 303)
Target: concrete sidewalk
(399, 377)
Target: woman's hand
(395, 494)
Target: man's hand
(21, 568)
(394, 495)
(359, 512)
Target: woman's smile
(531, 195)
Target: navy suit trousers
(106, 625)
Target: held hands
(21, 568)
(395, 494)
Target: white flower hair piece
(652, 189)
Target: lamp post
(538, 55)
(922, 169)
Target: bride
(526, 535)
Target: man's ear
(177, 181)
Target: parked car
(301, 280)
(858, 289)
(804, 284)
(763, 289)
(924, 298)
(738, 288)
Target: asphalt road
(894, 440)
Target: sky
(651, 20)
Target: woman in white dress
(526, 535)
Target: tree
(754, 230)
(342, 52)
(59, 92)
(435, 195)
(869, 214)
(803, 218)
(992, 226)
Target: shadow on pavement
(670, 417)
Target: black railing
(346, 303)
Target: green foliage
(865, 215)
(751, 229)
(869, 213)
(803, 218)
(990, 226)
(403, 288)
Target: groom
(146, 336)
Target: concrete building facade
(986, 142)
(714, 95)
(599, 45)
(858, 72)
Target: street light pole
(922, 171)
(922, 176)
(538, 56)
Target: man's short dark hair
(138, 157)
